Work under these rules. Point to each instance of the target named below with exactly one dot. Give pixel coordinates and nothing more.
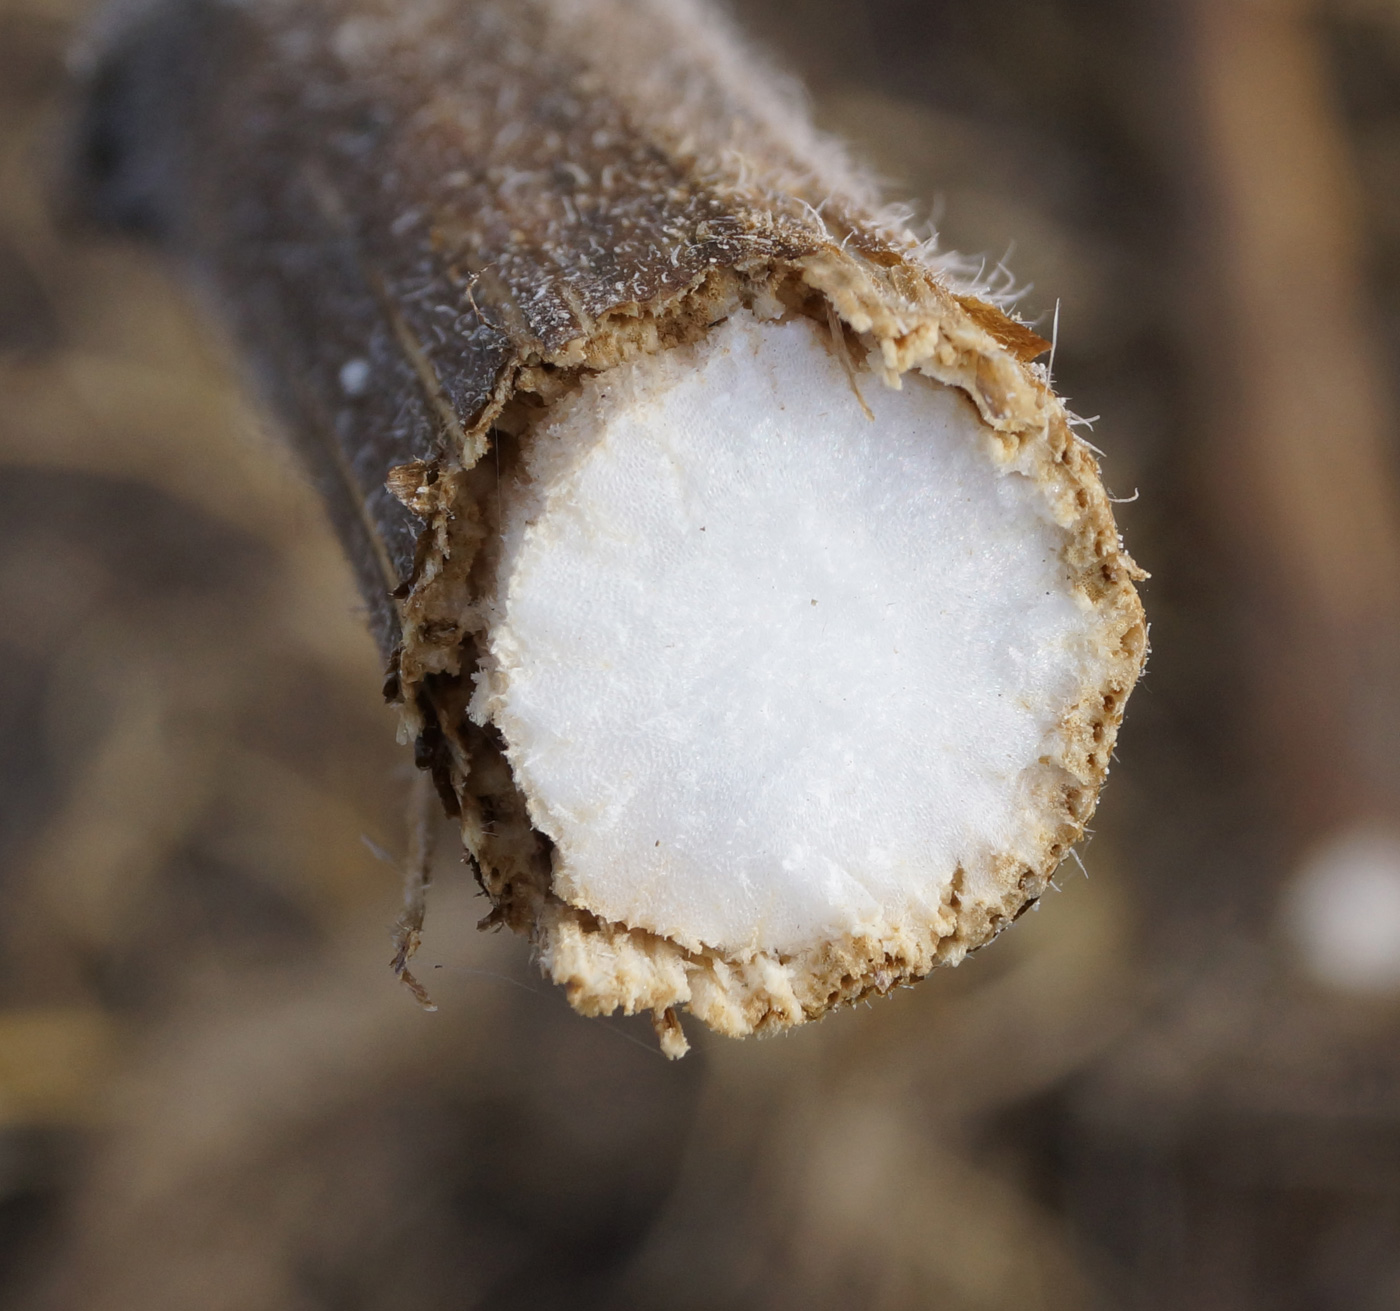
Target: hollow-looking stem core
(771, 672)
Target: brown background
(212, 1093)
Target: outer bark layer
(428, 219)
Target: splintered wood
(744, 589)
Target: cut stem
(777, 651)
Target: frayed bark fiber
(427, 221)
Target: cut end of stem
(797, 678)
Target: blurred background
(1175, 1085)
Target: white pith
(769, 673)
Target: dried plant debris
(747, 592)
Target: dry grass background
(212, 1093)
